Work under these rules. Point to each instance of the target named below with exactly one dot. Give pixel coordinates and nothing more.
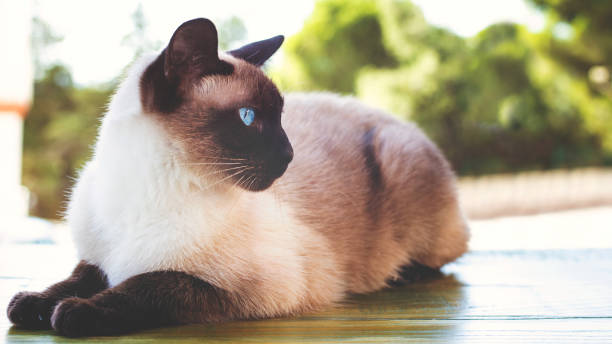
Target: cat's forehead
(246, 85)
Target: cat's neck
(131, 146)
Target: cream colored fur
(302, 244)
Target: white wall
(13, 197)
(15, 93)
(15, 56)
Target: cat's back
(377, 184)
(341, 141)
(331, 115)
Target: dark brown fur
(190, 55)
(33, 310)
(199, 109)
(82, 305)
(144, 301)
(413, 272)
(376, 181)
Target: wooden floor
(551, 295)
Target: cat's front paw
(75, 317)
(30, 310)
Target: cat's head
(220, 109)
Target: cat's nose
(281, 159)
(284, 150)
(286, 154)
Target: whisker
(222, 158)
(246, 182)
(237, 184)
(214, 163)
(246, 168)
(253, 179)
(231, 209)
(221, 171)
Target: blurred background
(516, 93)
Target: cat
(201, 204)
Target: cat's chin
(260, 179)
(258, 185)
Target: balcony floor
(555, 293)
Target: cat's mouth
(251, 172)
(252, 176)
(260, 178)
(262, 172)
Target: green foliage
(59, 128)
(585, 51)
(58, 132)
(504, 100)
(336, 40)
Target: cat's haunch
(213, 197)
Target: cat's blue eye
(247, 115)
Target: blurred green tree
(59, 127)
(336, 42)
(579, 38)
(500, 101)
(58, 132)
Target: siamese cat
(212, 197)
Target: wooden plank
(534, 296)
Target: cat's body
(364, 196)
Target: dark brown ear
(258, 52)
(192, 51)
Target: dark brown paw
(75, 317)
(30, 310)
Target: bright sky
(93, 30)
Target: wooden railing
(535, 192)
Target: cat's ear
(258, 52)
(192, 51)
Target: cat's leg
(413, 272)
(143, 301)
(33, 310)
